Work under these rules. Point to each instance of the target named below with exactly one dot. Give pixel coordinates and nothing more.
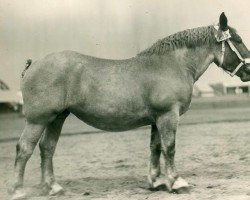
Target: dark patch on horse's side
(27, 65)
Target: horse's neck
(196, 61)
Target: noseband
(226, 38)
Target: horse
(152, 88)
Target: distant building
(203, 90)
(9, 99)
(231, 87)
(236, 87)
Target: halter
(226, 38)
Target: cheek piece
(225, 37)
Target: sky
(113, 29)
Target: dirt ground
(213, 155)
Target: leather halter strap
(226, 38)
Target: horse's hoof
(19, 194)
(160, 183)
(180, 186)
(56, 189)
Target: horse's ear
(223, 22)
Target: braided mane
(189, 38)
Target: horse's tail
(27, 65)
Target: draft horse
(153, 88)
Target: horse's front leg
(167, 125)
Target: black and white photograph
(124, 100)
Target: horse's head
(233, 55)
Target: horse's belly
(114, 121)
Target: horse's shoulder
(165, 94)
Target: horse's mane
(188, 38)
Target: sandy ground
(214, 157)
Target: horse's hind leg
(47, 147)
(24, 149)
(155, 149)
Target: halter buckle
(224, 35)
